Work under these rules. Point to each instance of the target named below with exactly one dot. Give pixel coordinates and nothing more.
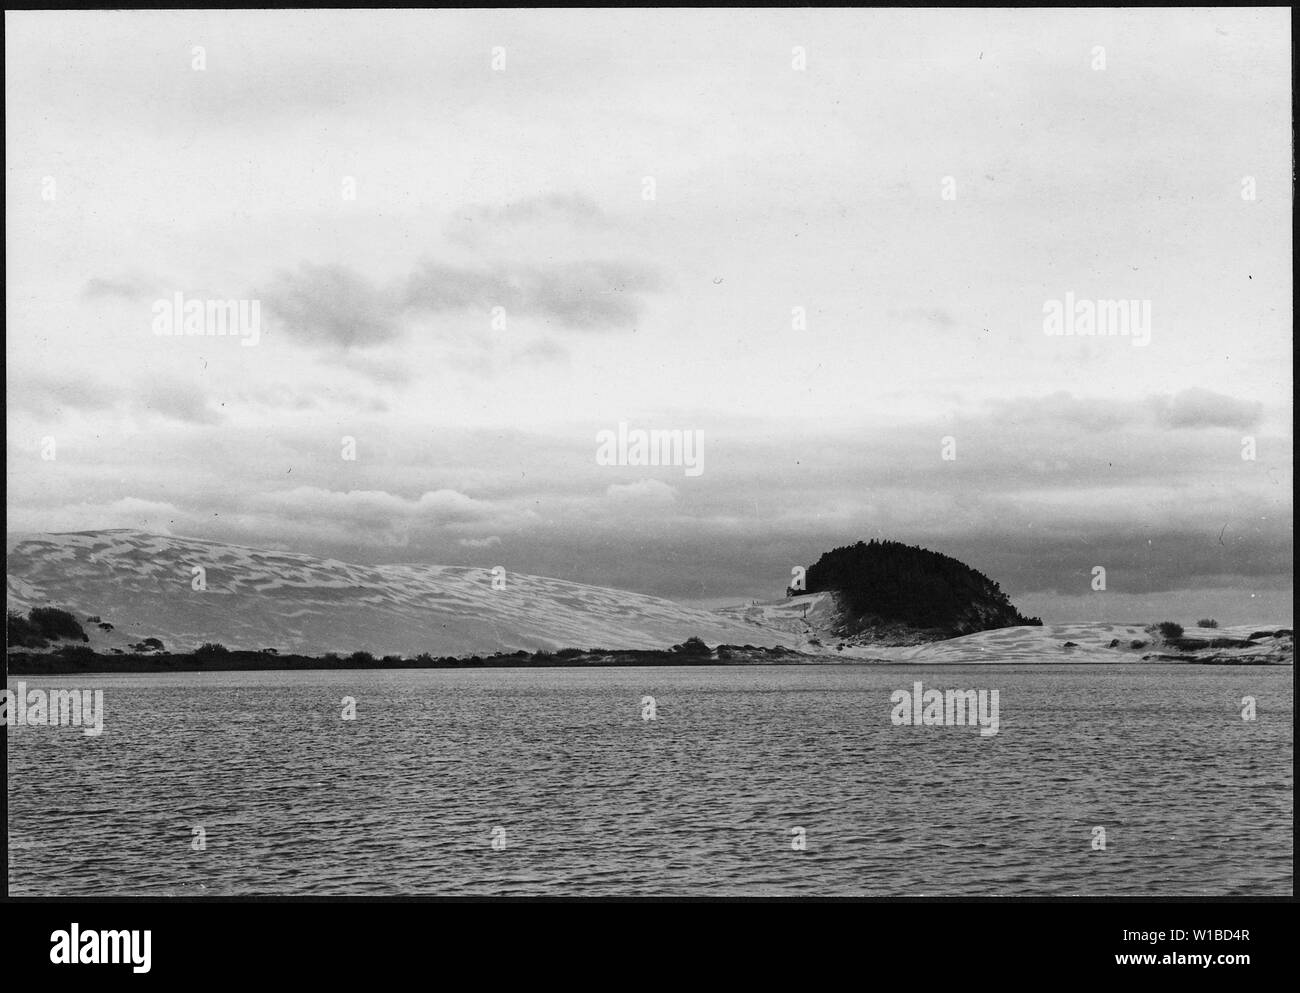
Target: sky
(822, 242)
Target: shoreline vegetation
(52, 641)
(72, 659)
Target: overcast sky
(1108, 154)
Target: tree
(22, 633)
(53, 624)
(692, 646)
(889, 582)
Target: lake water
(591, 799)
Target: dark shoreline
(50, 664)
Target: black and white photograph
(685, 453)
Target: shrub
(22, 633)
(211, 648)
(1169, 630)
(692, 646)
(53, 623)
(1208, 622)
(152, 644)
(105, 626)
(84, 652)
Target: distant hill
(890, 588)
(142, 586)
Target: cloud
(332, 305)
(121, 287)
(937, 317)
(47, 397)
(472, 224)
(128, 512)
(582, 295)
(179, 403)
(1065, 410)
(591, 294)
(373, 519)
(487, 542)
(542, 350)
(1191, 408)
(651, 491)
(436, 506)
(1199, 408)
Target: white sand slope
(141, 583)
(814, 618)
(1098, 643)
(1091, 643)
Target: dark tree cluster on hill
(888, 582)
(41, 626)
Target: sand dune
(814, 618)
(142, 584)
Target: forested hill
(888, 584)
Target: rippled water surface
(594, 800)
